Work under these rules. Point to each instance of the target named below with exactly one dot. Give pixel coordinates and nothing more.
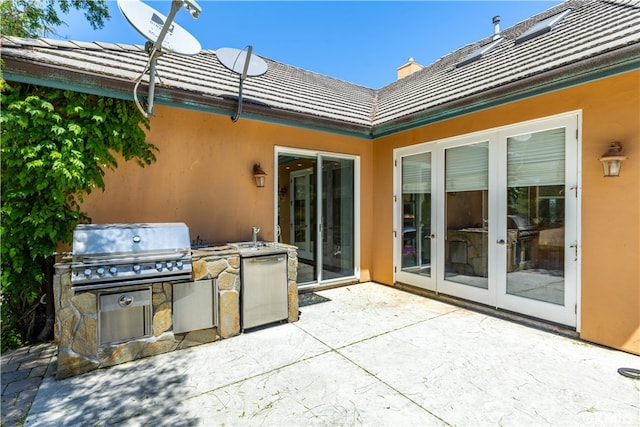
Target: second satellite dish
(149, 22)
(244, 64)
(235, 60)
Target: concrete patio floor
(372, 355)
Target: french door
(493, 217)
(317, 212)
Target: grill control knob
(87, 272)
(100, 271)
(136, 268)
(158, 266)
(170, 265)
(113, 270)
(179, 265)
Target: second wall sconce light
(612, 160)
(259, 175)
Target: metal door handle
(430, 236)
(266, 259)
(575, 251)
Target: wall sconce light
(612, 160)
(259, 175)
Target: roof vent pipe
(496, 27)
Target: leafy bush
(56, 146)
(29, 18)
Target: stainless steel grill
(524, 226)
(525, 251)
(116, 255)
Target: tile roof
(580, 43)
(592, 28)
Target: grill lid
(112, 255)
(116, 240)
(523, 224)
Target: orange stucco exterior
(203, 177)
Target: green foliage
(37, 18)
(56, 146)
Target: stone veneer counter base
(76, 327)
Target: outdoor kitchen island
(216, 269)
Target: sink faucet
(254, 236)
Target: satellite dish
(236, 60)
(149, 22)
(243, 63)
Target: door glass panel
(535, 216)
(301, 203)
(466, 214)
(297, 210)
(416, 214)
(338, 219)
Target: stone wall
(76, 327)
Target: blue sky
(363, 42)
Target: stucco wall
(610, 287)
(204, 177)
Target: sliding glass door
(316, 211)
(338, 219)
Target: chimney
(409, 68)
(496, 27)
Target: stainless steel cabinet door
(193, 306)
(264, 290)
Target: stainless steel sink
(246, 245)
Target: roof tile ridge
(374, 106)
(56, 43)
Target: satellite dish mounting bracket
(245, 65)
(243, 76)
(146, 20)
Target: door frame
(573, 122)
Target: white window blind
(536, 159)
(416, 174)
(467, 167)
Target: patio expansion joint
(368, 372)
(399, 328)
(330, 349)
(268, 372)
(400, 393)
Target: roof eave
(31, 72)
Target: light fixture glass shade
(612, 160)
(611, 167)
(259, 175)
